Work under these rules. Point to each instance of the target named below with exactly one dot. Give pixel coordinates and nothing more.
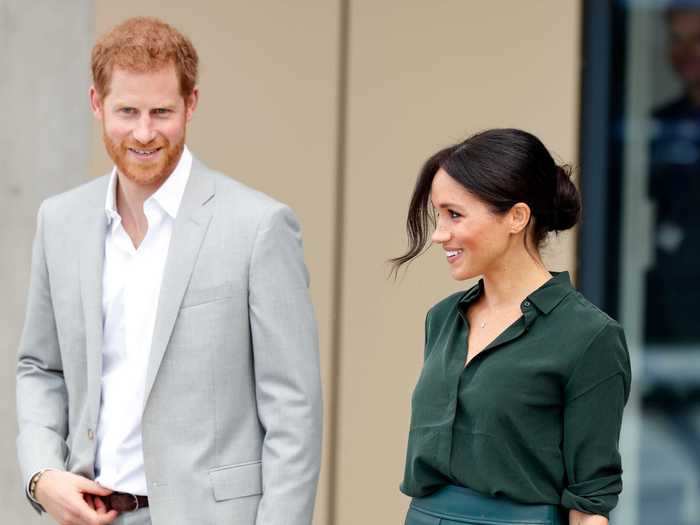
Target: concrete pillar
(45, 146)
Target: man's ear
(191, 103)
(519, 217)
(96, 103)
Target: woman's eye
(453, 214)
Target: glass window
(641, 261)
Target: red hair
(140, 45)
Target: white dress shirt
(130, 288)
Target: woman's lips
(453, 255)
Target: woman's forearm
(581, 518)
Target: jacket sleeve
(595, 397)
(42, 401)
(287, 372)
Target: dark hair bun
(501, 167)
(567, 202)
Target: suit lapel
(189, 230)
(91, 262)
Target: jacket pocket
(197, 296)
(236, 481)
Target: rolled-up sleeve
(595, 396)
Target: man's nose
(144, 132)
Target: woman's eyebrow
(446, 205)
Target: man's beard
(145, 173)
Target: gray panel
(45, 133)
(593, 258)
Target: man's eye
(128, 111)
(161, 111)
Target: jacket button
(526, 304)
(91, 434)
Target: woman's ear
(519, 216)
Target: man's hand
(73, 500)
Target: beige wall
(421, 74)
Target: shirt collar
(168, 196)
(551, 293)
(545, 298)
(111, 201)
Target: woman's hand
(581, 518)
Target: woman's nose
(440, 236)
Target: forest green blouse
(535, 416)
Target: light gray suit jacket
(232, 413)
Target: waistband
(454, 502)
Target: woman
(517, 411)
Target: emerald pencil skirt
(453, 505)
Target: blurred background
(332, 106)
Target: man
(674, 188)
(671, 395)
(168, 370)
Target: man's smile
(144, 153)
